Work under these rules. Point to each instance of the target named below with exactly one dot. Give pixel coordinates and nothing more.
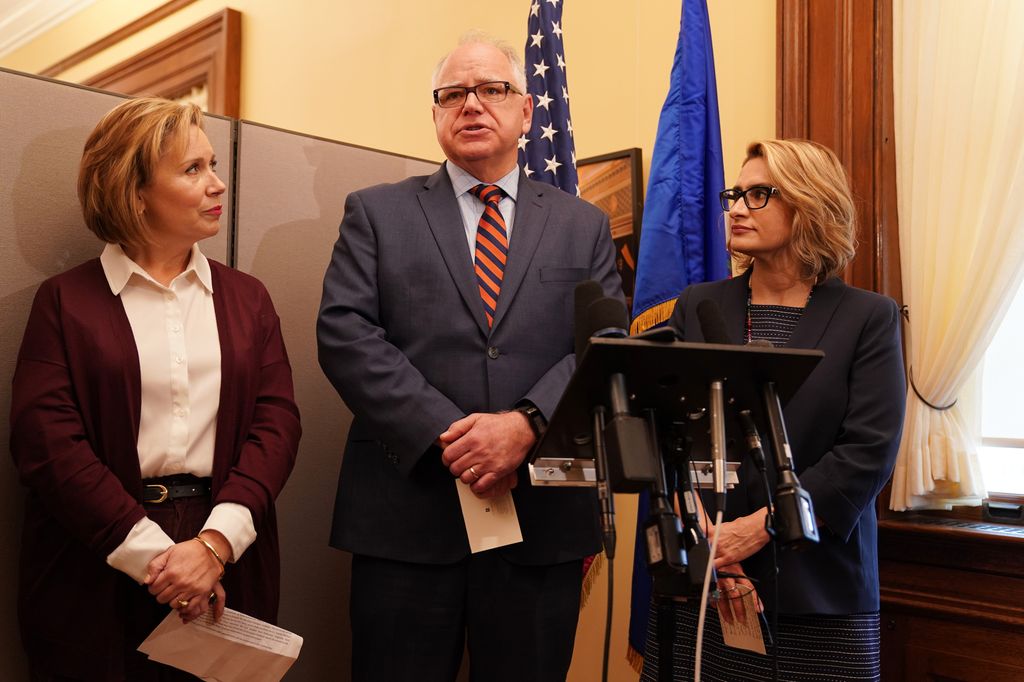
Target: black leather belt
(157, 490)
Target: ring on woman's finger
(474, 473)
(213, 598)
(183, 603)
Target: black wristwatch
(537, 421)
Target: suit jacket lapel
(818, 313)
(531, 217)
(733, 304)
(442, 211)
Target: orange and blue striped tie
(491, 248)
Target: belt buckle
(163, 493)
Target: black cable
(608, 619)
(773, 629)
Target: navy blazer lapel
(531, 217)
(820, 308)
(442, 211)
(733, 304)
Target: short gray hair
(482, 38)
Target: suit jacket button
(493, 353)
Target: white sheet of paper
(238, 648)
(489, 523)
(744, 633)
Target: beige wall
(360, 72)
(305, 64)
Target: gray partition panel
(43, 127)
(291, 197)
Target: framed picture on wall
(614, 183)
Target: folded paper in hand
(237, 648)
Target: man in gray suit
(447, 328)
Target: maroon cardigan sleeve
(258, 419)
(55, 423)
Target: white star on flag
(568, 126)
(543, 152)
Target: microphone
(795, 524)
(597, 315)
(753, 439)
(584, 294)
(712, 326)
(607, 318)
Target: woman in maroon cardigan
(153, 418)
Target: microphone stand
(607, 503)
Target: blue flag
(683, 235)
(547, 153)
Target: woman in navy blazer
(152, 417)
(792, 232)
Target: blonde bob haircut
(812, 182)
(120, 157)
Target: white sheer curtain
(959, 115)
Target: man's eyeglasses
(754, 197)
(491, 92)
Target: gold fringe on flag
(593, 570)
(653, 316)
(635, 659)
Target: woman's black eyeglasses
(754, 197)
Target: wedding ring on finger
(183, 603)
(473, 472)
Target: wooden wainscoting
(952, 600)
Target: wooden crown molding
(145, 21)
(208, 52)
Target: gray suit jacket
(403, 338)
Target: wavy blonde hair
(120, 157)
(812, 182)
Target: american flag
(547, 152)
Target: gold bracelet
(213, 551)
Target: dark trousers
(412, 621)
(181, 519)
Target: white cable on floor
(704, 599)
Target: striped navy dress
(811, 648)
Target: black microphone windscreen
(607, 317)
(585, 293)
(712, 324)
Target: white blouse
(175, 329)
